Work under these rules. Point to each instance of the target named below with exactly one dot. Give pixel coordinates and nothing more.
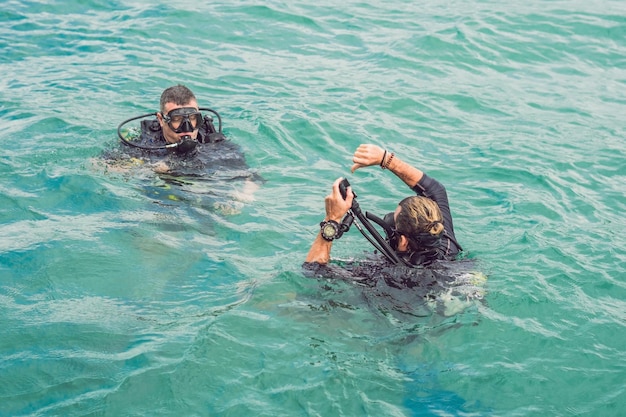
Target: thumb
(355, 167)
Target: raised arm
(368, 155)
(418, 181)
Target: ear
(403, 244)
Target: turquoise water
(121, 294)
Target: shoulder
(428, 186)
(223, 151)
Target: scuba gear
(184, 119)
(151, 132)
(186, 145)
(375, 239)
(389, 226)
(343, 188)
(425, 247)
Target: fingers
(366, 155)
(359, 158)
(336, 206)
(361, 152)
(336, 191)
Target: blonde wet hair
(419, 215)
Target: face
(403, 242)
(168, 133)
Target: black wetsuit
(214, 153)
(433, 189)
(403, 286)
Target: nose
(186, 125)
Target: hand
(161, 167)
(336, 206)
(367, 155)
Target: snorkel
(180, 123)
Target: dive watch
(330, 230)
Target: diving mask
(390, 229)
(183, 120)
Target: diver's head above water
(416, 219)
(418, 229)
(179, 125)
(180, 117)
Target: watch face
(329, 230)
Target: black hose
(154, 148)
(380, 243)
(119, 133)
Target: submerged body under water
(205, 159)
(213, 175)
(444, 287)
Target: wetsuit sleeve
(433, 189)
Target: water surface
(121, 294)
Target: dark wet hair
(177, 94)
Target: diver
(179, 139)
(418, 267)
(184, 145)
(419, 232)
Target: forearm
(320, 251)
(407, 173)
